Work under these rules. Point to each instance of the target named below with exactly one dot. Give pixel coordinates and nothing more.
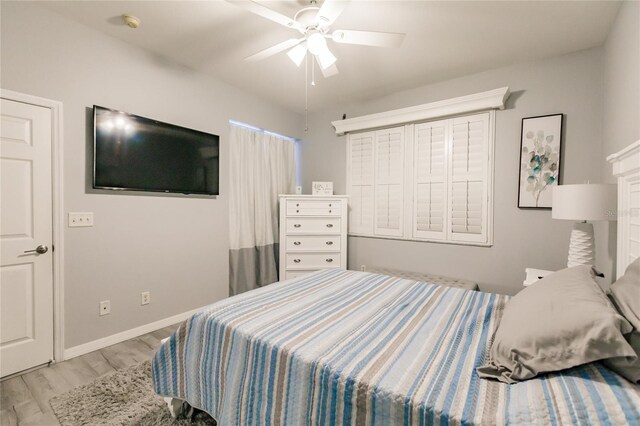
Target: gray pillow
(625, 294)
(562, 321)
(628, 367)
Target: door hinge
(53, 248)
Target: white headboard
(626, 167)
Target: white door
(26, 229)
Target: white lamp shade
(584, 202)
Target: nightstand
(533, 275)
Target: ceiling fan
(314, 23)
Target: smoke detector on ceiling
(131, 21)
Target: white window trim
(408, 189)
(477, 102)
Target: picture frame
(540, 160)
(322, 188)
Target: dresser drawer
(307, 225)
(315, 243)
(296, 274)
(313, 260)
(313, 208)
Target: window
(423, 181)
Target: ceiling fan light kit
(326, 59)
(298, 53)
(316, 42)
(314, 24)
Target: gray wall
(570, 84)
(173, 246)
(621, 118)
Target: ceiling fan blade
(368, 38)
(330, 11)
(265, 12)
(263, 54)
(329, 71)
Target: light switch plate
(145, 297)
(80, 219)
(298, 190)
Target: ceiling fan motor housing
(307, 17)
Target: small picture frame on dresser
(322, 188)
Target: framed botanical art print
(540, 148)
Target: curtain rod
(258, 129)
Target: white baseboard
(94, 345)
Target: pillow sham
(627, 367)
(562, 321)
(625, 294)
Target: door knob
(41, 249)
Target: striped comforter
(344, 347)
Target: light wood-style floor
(24, 399)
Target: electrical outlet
(78, 219)
(145, 297)
(363, 268)
(105, 307)
(299, 190)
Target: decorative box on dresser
(313, 234)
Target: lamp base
(582, 247)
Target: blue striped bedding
(344, 347)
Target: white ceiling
(444, 40)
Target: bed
(345, 347)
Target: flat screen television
(133, 153)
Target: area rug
(124, 397)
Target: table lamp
(585, 202)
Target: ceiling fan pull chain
(306, 93)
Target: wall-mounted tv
(134, 153)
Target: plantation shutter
(423, 181)
(360, 190)
(389, 178)
(430, 185)
(468, 178)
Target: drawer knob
(296, 225)
(296, 243)
(329, 243)
(329, 260)
(297, 205)
(296, 260)
(329, 225)
(329, 204)
(329, 211)
(297, 211)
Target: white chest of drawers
(313, 234)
